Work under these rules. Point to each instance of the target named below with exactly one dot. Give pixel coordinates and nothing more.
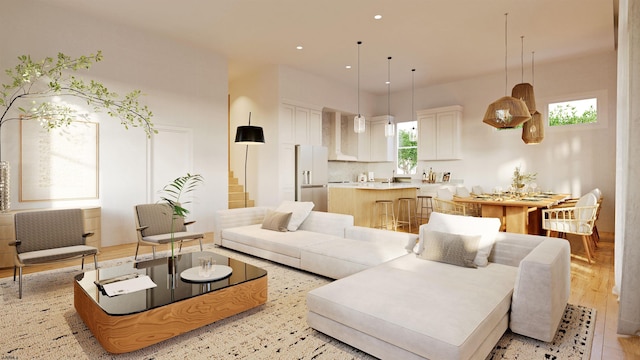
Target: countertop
(376, 185)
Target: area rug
(45, 325)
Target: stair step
(233, 181)
(235, 204)
(236, 188)
(237, 196)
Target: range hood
(335, 147)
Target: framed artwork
(446, 177)
(58, 164)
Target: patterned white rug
(44, 325)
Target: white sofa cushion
(285, 243)
(432, 309)
(343, 257)
(464, 225)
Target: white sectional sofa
(393, 304)
(326, 244)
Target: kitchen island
(358, 199)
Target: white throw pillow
(487, 228)
(299, 209)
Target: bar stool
(425, 205)
(382, 209)
(404, 208)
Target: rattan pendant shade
(533, 130)
(524, 91)
(506, 112)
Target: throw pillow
(276, 221)
(450, 248)
(299, 209)
(487, 228)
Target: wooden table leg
(516, 219)
(494, 211)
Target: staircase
(237, 194)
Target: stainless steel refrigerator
(311, 175)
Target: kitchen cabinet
(301, 125)
(439, 135)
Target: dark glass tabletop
(164, 293)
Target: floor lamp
(248, 135)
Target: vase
(172, 270)
(5, 187)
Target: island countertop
(376, 186)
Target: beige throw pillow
(450, 248)
(276, 221)
(300, 210)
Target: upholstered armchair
(155, 225)
(48, 236)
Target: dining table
(517, 213)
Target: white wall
(184, 87)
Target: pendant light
(413, 136)
(524, 91)
(506, 112)
(359, 122)
(389, 128)
(533, 130)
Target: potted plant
(171, 194)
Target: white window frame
(602, 97)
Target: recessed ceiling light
(377, 17)
(299, 47)
(348, 67)
(387, 82)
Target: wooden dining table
(517, 214)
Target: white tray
(218, 272)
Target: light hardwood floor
(590, 286)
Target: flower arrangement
(519, 178)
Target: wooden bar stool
(384, 215)
(405, 215)
(424, 208)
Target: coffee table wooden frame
(125, 333)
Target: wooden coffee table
(132, 321)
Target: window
(407, 148)
(583, 111)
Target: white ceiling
(444, 40)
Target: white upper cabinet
(300, 125)
(439, 133)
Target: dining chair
(445, 194)
(477, 189)
(154, 227)
(472, 209)
(448, 207)
(578, 220)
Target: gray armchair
(48, 236)
(154, 227)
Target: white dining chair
(578, 220)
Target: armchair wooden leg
(14, 272)
(200, 241)
(587, 247)
(137, 247)
(82, 263)
(20, 282)
(95, 261)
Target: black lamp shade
(249, 135)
